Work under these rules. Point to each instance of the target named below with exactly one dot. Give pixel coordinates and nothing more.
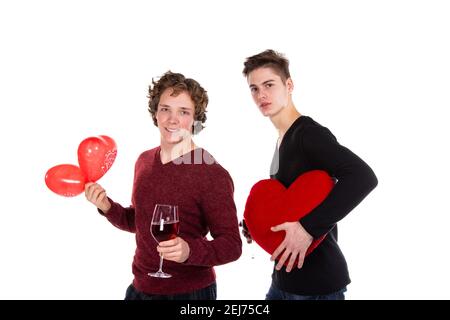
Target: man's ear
(290, 85)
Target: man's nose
(173, 117)
(261, 95)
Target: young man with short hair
(305, 145)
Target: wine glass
(165, 226)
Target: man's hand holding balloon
(97, 195)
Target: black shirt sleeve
(355, 179)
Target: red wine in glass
(165, 231)
(164, 226)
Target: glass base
(159, 274)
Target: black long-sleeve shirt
(309, 146)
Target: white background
(377, 73)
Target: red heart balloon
(65, 179)
(96, 155)
(270, 203)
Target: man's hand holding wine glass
(176, 250)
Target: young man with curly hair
(180, 173)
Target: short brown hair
(179, 83)
(268, 59)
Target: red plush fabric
(270, 203)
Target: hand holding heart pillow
(96, 155)
(270, 203)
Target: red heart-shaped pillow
(270, 203)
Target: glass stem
(160, 262)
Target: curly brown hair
(179, 83)
(268, 59)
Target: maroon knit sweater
(203, 191)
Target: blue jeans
(208, 293)
(277, 294)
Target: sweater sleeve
(120, 217)
(220, 214)
(355, 179)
